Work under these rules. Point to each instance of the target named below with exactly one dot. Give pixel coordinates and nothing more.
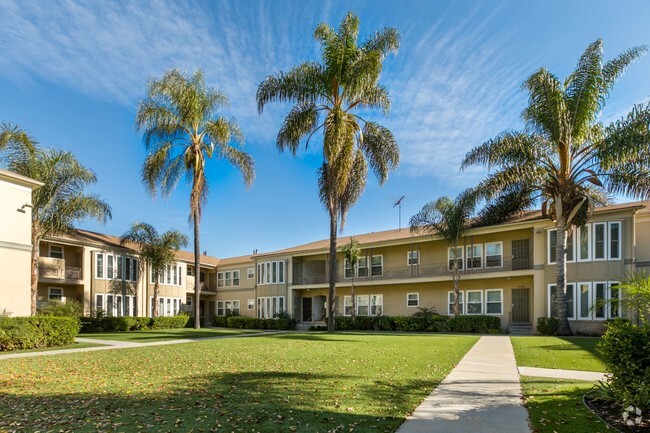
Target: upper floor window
(56, 251)
(105, 267)
(171, 275)
(269, 272)
(250, 273)
(475, 256)
(360, 269)
(595, 241)
(228, 278)
(494, 254)
(377, 266)
(455, 255)
(412, 258)
(54, 294)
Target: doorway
(521, 306)
(306, 309)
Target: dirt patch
(611, 412)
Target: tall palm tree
(156, 251)
(566, 158)
(14, 142)
(449, 219)
(352, 254)
(327, 94)
(61, 201)
(182, 129)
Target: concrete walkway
(482, 394)
(591, 376)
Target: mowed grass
(152, 335)
(566, 353)
(283, 383)
(49, 349)
(555, 405)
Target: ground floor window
(413, 299)
(452, 299)
(587, 300)
(477, 301)
(228, 308)
(494, 301)
(167, 306)
(367, 305)
(113, 305)
(55, 294)
(250, 304)
(269, 306)
(474, 301)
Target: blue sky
(72, 74)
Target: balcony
(414, 272)
(55, 269)
(205, 287)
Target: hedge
(547, 325)
(36, 332)
(433, 323)
(239, 322)
(170, 322)
(126, 323)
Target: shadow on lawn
(576, 343)
(260, 401)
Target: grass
(566, 353)
(555, 405)
(278, 383)
(48, 349)
(151, 335)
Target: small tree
(636, 294)
(156, 251)
(352, 255)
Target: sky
(72, 74)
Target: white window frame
(413, 258)
(609, 240)
(460, 260)
(280, 271)
(450, 302)
(573, 248)
(376, 302)
(59, 297)
(469, 249)
(619, 313)
(417, 300)
(62, 251)
(381, 266)
(250, 273)
(364, 260)
(235, 278)
(479, 303)
(250, 304)
(579, 231)
(366, 299)
(548, 298)
(605, 242)
(485, 257)
(487, 291)
(606, 296)
(347, 303)
(99, 268)
(578, 292)
(269, 306)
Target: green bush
(71, 308)
(36, 332)
(117, 324)
(140, 323)
(547, 325)
(279, 323)
(475, 324)
(220, 321)
(113, 324)
(626, 351)
(170, 322)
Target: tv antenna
(398, 203)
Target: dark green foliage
(140, 323)
(280, 323)
(220, 321)
(475, 324)
(420, 323)
(170, 322)
(36, 332)
(430, 323)
(547, 325)
(626, 351)
(70, 308)
(318, 328)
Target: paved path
(482, 394)
(591, 376)
(115, 344)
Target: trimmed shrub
(140, 323)
(113, 324)
(36, 332)
(70, 308)
(220, 321)
(170, 322)
(547, 325)
(117, 324)
(280, 323)
(475, 324)
(626, 352)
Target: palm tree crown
(566, 158)
(327, 94)
(182, 128)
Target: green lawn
(567, 353)
(555, 405)
(152, 335)
(47, 349)
(291, 382)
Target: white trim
(460, 259)
(605, 241)
(250, 304)
(411, 257)
(579, 231)
(479, 303)
(470, 249)
(609, 239)
(61, 297)
(450, 302)
(57, 246)
(590, 303)
(250, 273)
(493, 255)
(500, 291)
(372, 274)
(417, 299)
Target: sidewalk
(482, 394)
(591, 376)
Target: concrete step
(520, 330)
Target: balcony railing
(204, 286)
(50, 267)
(422, 271)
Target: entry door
(520, 254)
(306, 309)
(520, 306)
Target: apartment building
(507, 270)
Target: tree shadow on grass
(259, 401)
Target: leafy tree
(61, 201)
(636, 294)
(565, 157)
(182, 129)
(156, 251)
(449, 219)
(327, 94)
(352, 254)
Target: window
(413, 299)
(250, 273)
(376, 305)
(250, 304)
(569, 298)
(494, 301)
(362, 267)
(235, 278)
(170, 275)
(99, 303)
(168, 306)
(110, 267)
(412, 258)
(474, 301)
(269, 273)
(494, 255)
(99, 273)
(269, 307)
(119, 306)
(347, 305)
(600, 297)
(552, 246)
(584, 243)
(56, 251)
(220, 280)
(451, 297)
(228, 275)
(110, 305)
(175, 271)
(599, 241)
(474, 256)
(55, 294)
(221, 309)
(347, 273)
(281, 272)
(614, 296)
(585, 303)
(377, 266)
(362, 305)
(455, 254)
(614, 240)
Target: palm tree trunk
(155, 293)
(456, 278)
(34, 276)
(331, 304)
(560, 259)
(197, 271)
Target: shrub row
(239, 322)
(125, 323)
(36, 332)
(547, 325)
(433, 323)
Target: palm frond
(303, 84)
(613, 69)
(301, 122)
(386, 41)
(508, 148)
(546, 111)
(242, 161)
(381, 149)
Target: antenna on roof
(399, 203)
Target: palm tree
(565, 157)
(449, 219)
(156, 251)
(61, 201)
(352, 254)
(14, 142)
(182, 128)
(636, 294)
(327, 94)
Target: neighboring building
(16, 242)
(507, 270)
